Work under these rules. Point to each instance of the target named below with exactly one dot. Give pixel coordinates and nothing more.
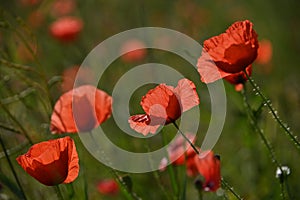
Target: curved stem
(12, 168)
(229, 188)
(17, 123)
(187, 139)
(268, 103)
(254, 123)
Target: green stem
(128, 195)
(229, 188)
(9, 128)
(170, 169)
(59, 194)
(71, 191)
(156, 176)
(42, 71)
(187, 139)
(12, 168)
(200, 195)
(17, 123)
(282, 191)
(254, 123)
(268, 103)
(18, 66)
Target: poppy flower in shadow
(66, 29)
(80, 109)
(238, 79)
(51, 162)
(208, 166)
(228, 53)
(136, 50)
(180, 152)
(163, 105)
(108, 187)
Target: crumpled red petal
(163, 105)
(230, 52)
(52, 162)
(142, 124)
(187, 95)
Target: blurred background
(26, 38)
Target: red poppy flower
(238, 79)
(69, 75)
(52, 162)
(163, 105)
(180, 152)
(228, 53)
(208, 166)
(108, 187)
(136, 50)
(66, 29)
(89, 112)
(63, 7)
(264, 54)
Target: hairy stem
(268, 103)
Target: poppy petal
(160, 95)
(229, 52)
(79, 103)
(208, 70)
(51, 162)
(208, 165)
(66, 29)
(162, 103)
(239, 77)
(186, 92)
(142, 124)
(108, 187)
(73, 168)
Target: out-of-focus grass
(246, 164)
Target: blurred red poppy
(228, 53)
(163, 105)
(66, 29)
(51, 162)
(69, 75)
(180, 152)
(136, 51)
(264, 54)
(108, 187)
(238, 79)
(62, 7)
(89, 113)
(29, 2)
(208, 166)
